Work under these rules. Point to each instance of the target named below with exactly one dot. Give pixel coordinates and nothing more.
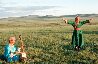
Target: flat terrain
(48, 40)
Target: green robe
(77, 38)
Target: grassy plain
(48, 40)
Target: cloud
(29, 8)
(41, 10)
(57, 11)
(21, 11)
(0, 3)
(13, 3)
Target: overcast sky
(10, 8)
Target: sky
(14, 8)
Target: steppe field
(48, 40)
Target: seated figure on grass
(12, 53)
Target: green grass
(50, 42)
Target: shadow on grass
(90, 32)
(85, 32)
(2, 59)
(95, 48)
(77, 62)
(68, 49)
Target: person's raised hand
(90, 19)
(64, 19)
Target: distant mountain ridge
(81, 15)
(51, 16)
(31, 17)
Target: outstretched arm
(68, 22)
(87, 21)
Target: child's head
(12, 40)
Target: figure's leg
(77, 40)
(81, 42)
(73, 40)
(16, 58)
(9, 59)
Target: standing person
(77, 38)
